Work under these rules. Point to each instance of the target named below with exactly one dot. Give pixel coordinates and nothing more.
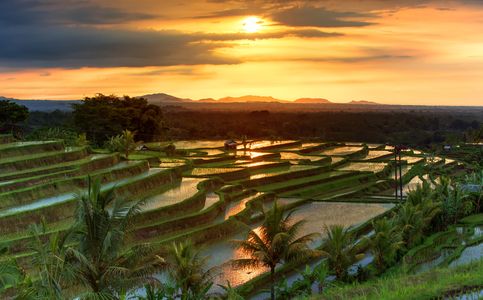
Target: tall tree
(102, 116)
(340, 249)
(385, 243)
(102, 260)
(277, 241)
(11, 114)
(188, 270)
(53, 271)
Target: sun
(252, 24)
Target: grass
(322, 188)
(476, 219)
(41, 159)
(375, 167)
(428, 285)
(88, 163)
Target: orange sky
(395, 52)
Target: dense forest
(417, 128)
(101, 117)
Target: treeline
(393, 127)
(105, 116)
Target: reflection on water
(316, 215)
(345, 150)
(470, 254)
(375, 167)
(236, 207)
(281, 171)
(187, 188)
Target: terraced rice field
(190, 197)
(345, 150)
(211, 171)
(317, 215)
(188, 187)
(294, 156)
(281, 171)
(364, 167)
(378, 154)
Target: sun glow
(252, 24)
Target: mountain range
(165, 99)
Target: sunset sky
(395, 52)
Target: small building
(230, 145)
(142, 148)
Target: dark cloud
(67, 47)
(67, 12)
(76, 47)
(319, 17)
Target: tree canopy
(11, 114)
(102, 116)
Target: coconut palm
(340, 249)
(53, 271)
(410, 221)
(187, 268)
(10, 275)
(277, 241)
(102, 260)
(385, 243)
(128, 142)
(476, 194)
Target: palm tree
(410, 221)
(187, 268)
(385, 243)
(340, 249)
(10, 275)
(102, 260)
(278, 241)
(476, 180)
(128, 142)
(53, 271)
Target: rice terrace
(210, 196)
(241, 149)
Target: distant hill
(44, 105)
(364, 102)
(312, 100)
(250, 98)
(164, 98)
(207, 100)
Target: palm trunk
(272, 283)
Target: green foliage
(434, 284)
(385, 243)
(11, 114)
(476, 181)
(101, 260)
(102, 117)
(340, 249)
(302, 287)
(10, 275)
(123, 143)
(69, 137)
(187, 269)
(231, 293)
(277, 241)
(53, 271)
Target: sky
(394, 52)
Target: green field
(202, 193)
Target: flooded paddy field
(201, 188)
